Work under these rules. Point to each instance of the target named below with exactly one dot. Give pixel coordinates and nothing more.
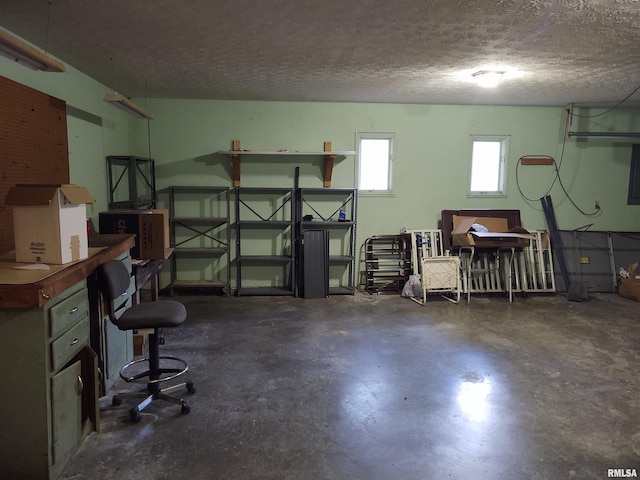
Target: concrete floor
(378, 387)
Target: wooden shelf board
(329, 157)
(290, 153)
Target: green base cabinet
(49, 389)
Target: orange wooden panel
(33, 145)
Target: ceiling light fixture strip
(120, 101)
(19, 51)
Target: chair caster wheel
(190, 388)
(116, 401)
(185, 409)
(135, 415)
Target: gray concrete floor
(378, 387)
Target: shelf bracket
(235, 162)
(328, 164)
(236, 153)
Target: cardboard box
(151, 228)
(139, 339)
(498, 235)
(50, 223)
(630, 287)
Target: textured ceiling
(402, 51)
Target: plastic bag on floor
(412, 287)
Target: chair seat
(160, 314)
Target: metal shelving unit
(264, 224)
(324, 206)
(132, 182)
(200, 237)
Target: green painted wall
(431, 165)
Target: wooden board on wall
(33, 145)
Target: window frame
(392, 137)
(504, 141)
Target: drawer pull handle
(75, 341)
(80, 385)
(73, 310)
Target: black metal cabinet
(334, 210)
(314, 277)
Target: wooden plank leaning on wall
(33, 145)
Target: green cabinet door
(66, 400)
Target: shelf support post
(328, 165)
(235, 163)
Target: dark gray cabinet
(333, 210)
(315, 264)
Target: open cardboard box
(630, 287)
(151, 228)
(50, 222)
(498, 235)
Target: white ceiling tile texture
(406, 51)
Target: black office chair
(114, 281)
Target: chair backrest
(113, 281)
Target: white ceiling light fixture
(488, 78)
(124, 103)
(18, 51)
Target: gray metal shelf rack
(204, 237)
(324, 205)
(264, 222)
(132, 182)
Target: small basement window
(488, 165)
(375, 160)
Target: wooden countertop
(21, 288)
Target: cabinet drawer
(123, 302)
(68, 312)
(126, 259)
(70, 343)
